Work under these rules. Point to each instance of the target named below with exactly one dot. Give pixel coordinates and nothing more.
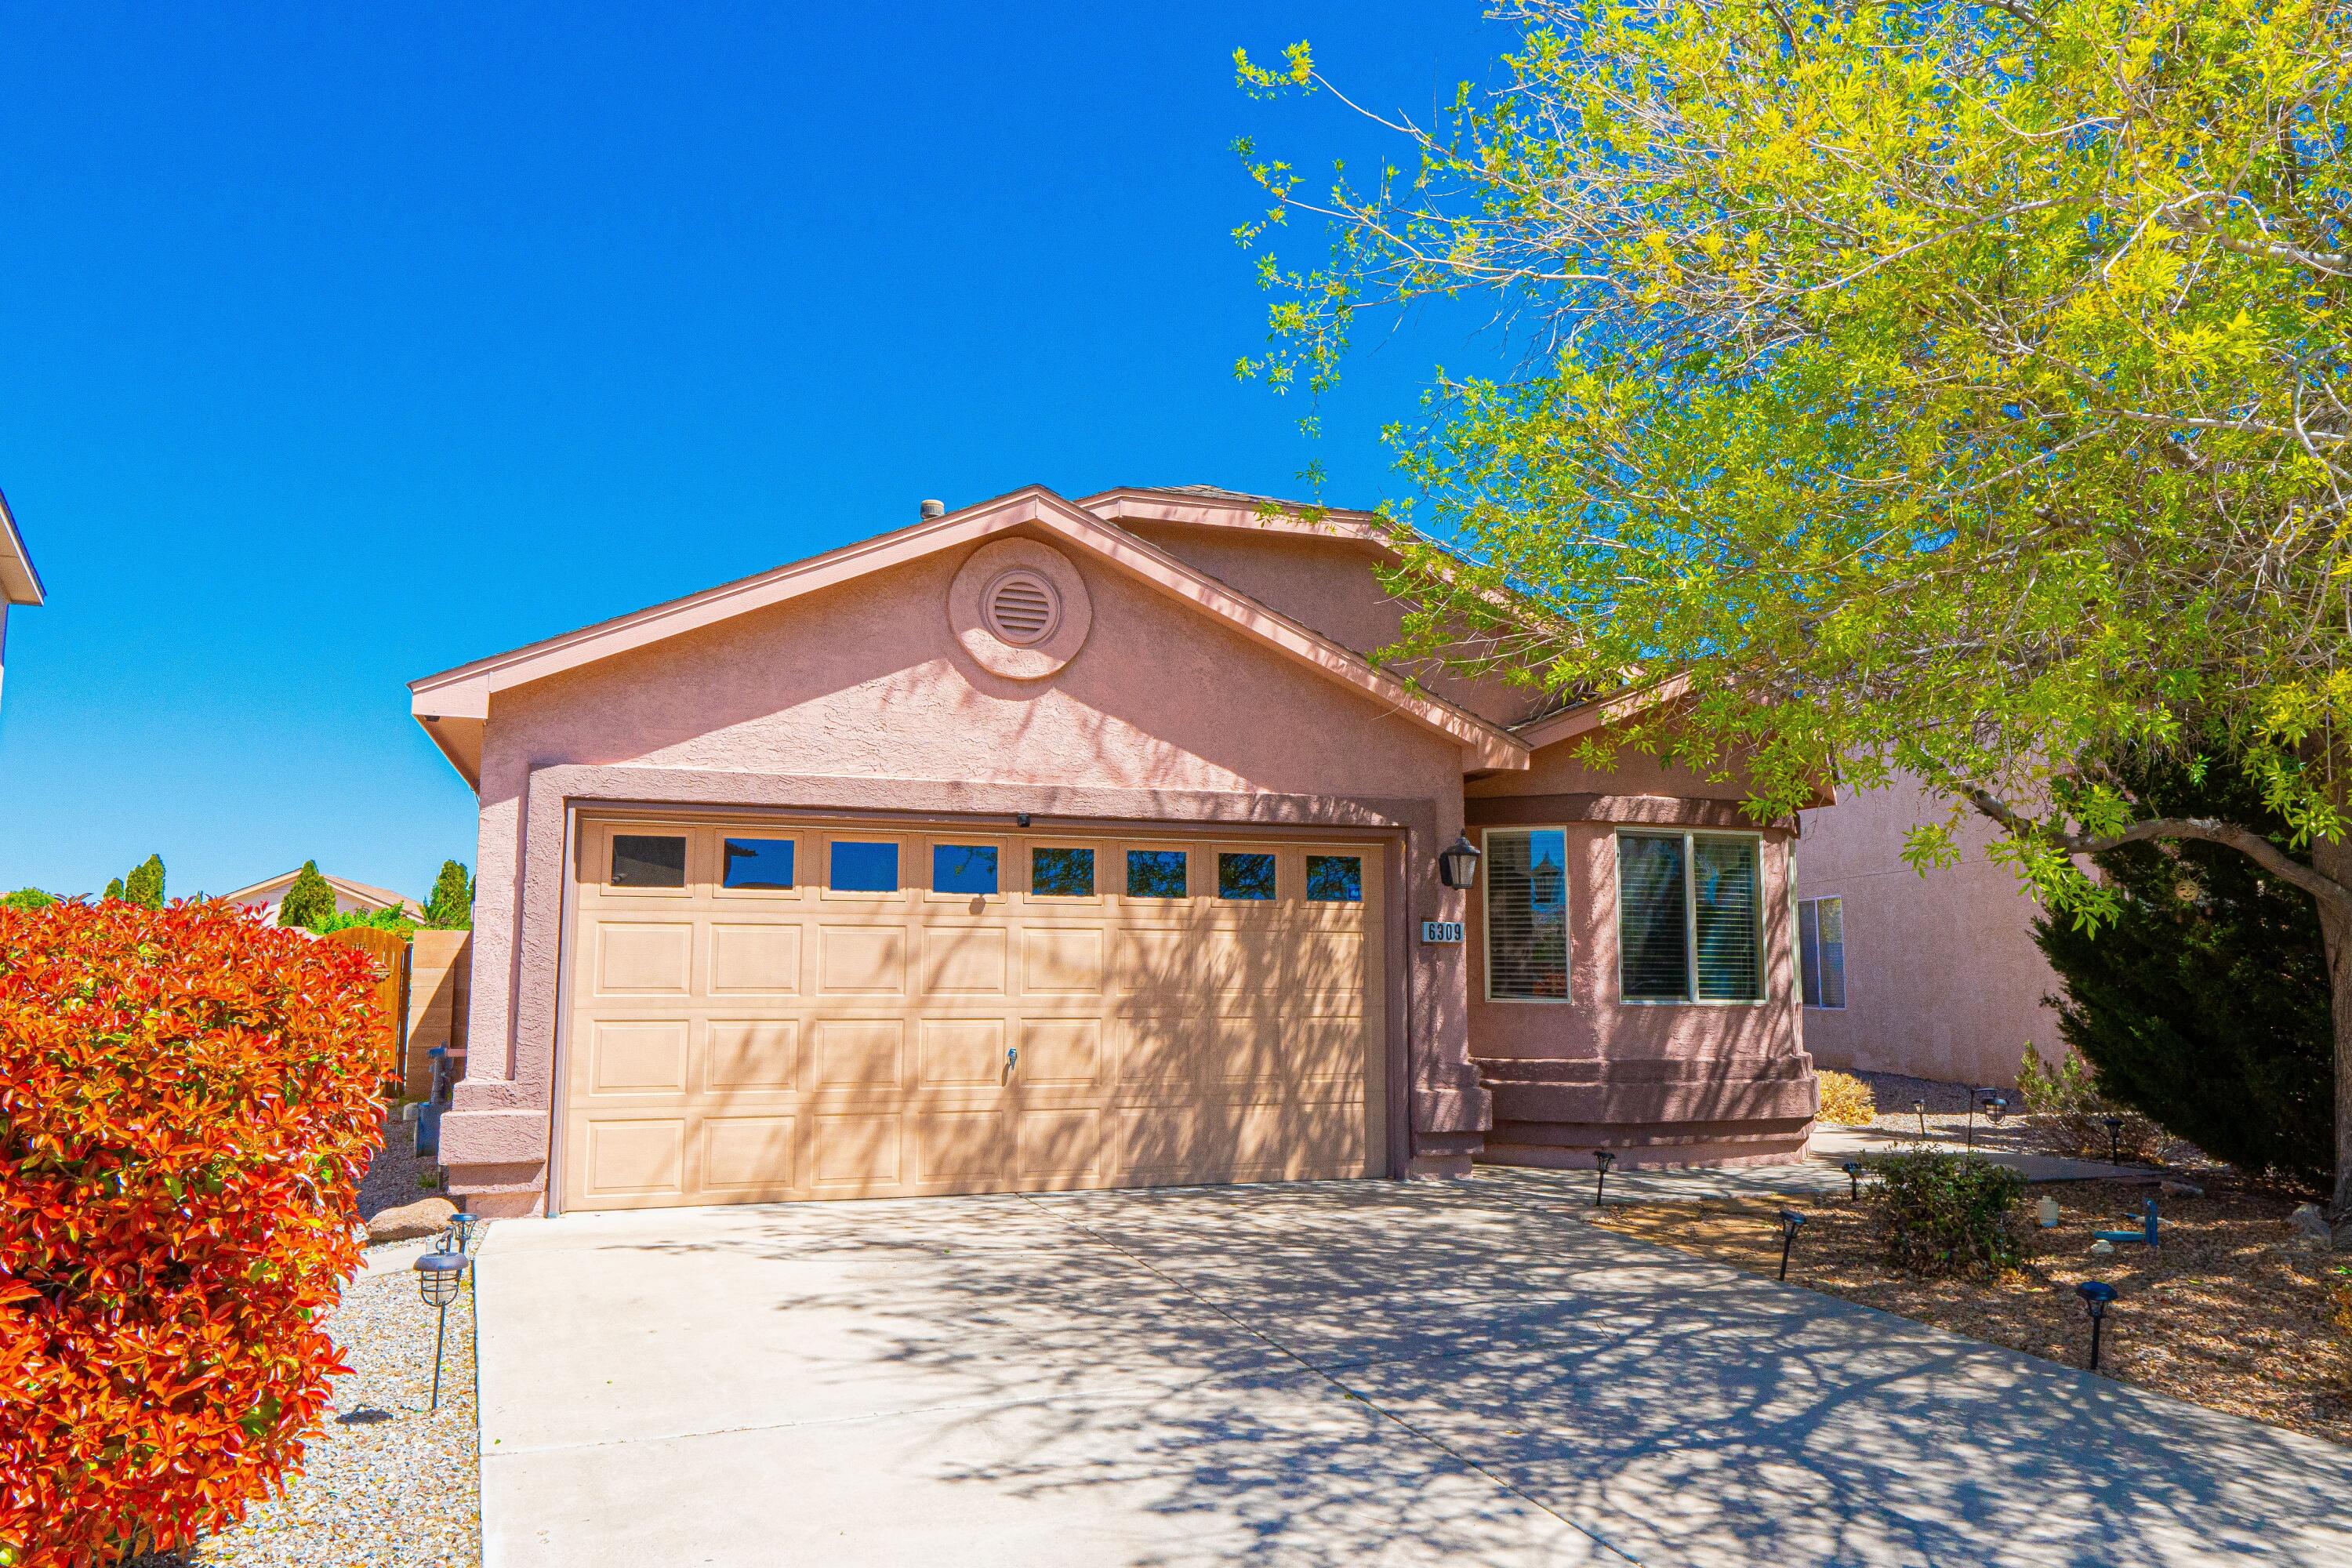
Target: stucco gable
(453, 704)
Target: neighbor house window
(756, 863)
(1155, 873)
(1689, 917)
(1527, 915)
(1820, 951)
(648, 860)
(1062, 873)
(865, 865)
(963, 868)
(1335, 879)
(1247, 876)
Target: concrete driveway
(1350, 1373)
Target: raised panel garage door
(763, 1011)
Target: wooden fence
(391, 949)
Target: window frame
(826, 891)
(1690, 997)
(1487, 918)
(1820, 948)
(935, 842)
(1126, 897)
(1062, 901)
(796, 837)
(613, 835)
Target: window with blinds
(1653, 918)
(1690, 920)
(1527, 915)
(1820, 951)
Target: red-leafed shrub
(186, 1106)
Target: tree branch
(2252, 845)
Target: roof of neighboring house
(266, 892)
(453, 704)
(19, 583)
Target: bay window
(1690, 914)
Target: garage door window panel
(651, 860)
(1245, 877)
(762, 866)
(962, 870)
(867, 866)
(1335, 879)
(1061, 871)
(1157, 873)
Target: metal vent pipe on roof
(931, 509)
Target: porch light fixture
(439, 1276)
(1603, 1162)
(1789, 1220)
(1854, 1175)
(1458, 867)
(2095, 1294)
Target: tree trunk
(2335, 860)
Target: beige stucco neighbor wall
(1943, 980)
(860, 698)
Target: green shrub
(2070, 1115)
(394, 920)
(1947, 1214)
(451, 907)
(310, 902)
(27, 899)
(2204, 1006)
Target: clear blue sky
(344, 344)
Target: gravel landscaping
(389, 1483)
(2230, 1312)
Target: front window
(1527, 915)
(1820, 951)
(1690, 917)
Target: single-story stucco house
(19, 583)
(1051, 843)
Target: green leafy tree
(144, 886)
(2205, 1004)
(113, 890)
(1951, 389)
(310, 902)
(451, 905)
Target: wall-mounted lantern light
(439, 1276)
(2095, 1294)
(1603, 1163)
(1789, 1220)
(1458, 867)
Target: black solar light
(1789, 1220)
(438, 1276)
(2114, 1139)
(1854, 1174)
(461, 1231)
(1458, 867)
(1920, 1109)
(1603, 1162)
(2095, 1294)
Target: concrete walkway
(1339, 1374)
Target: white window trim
(1690, 997)
(1486, 923)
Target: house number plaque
(1441, 930)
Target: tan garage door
(762, 1011)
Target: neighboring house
(351, 898)
(19, 583)
(1934, 976)
(1054, 844)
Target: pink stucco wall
(1943, 979)
(1165, 713)
(1328, 584)
(1662, 1083)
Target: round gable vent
(1022, 608)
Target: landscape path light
(2114, 1139)
(1854, 1175)
(438, 1276)
(462, 1226)
(2095, 1294)
(1920, 1109)
(1789, 1220)
(1996, 1107)
(1603, 1163)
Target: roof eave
(20, 581)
